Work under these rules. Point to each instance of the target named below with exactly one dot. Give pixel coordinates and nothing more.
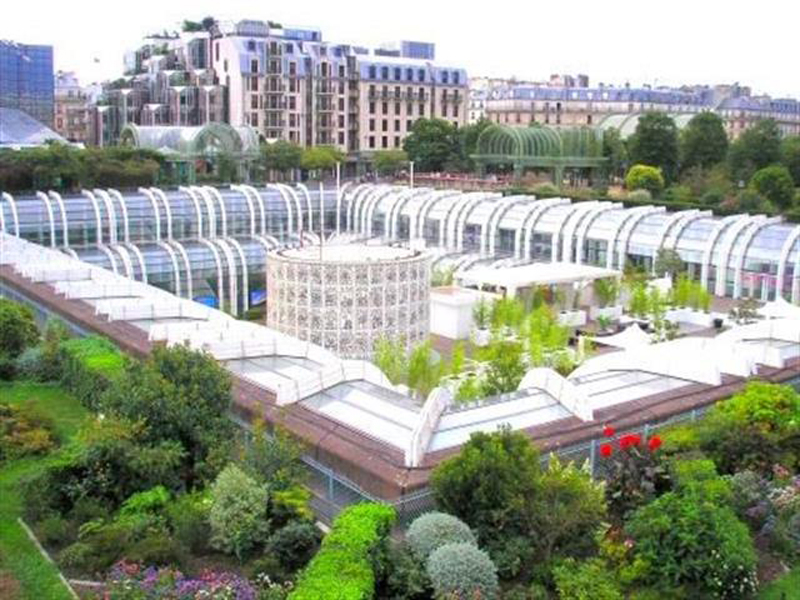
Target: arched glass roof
(208, 140)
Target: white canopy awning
(779, 309)
(532, 274)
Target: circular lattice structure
(346, 297)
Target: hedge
(342, 569)
(89, 366)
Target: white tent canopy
(632, 337)
(779, 309)
(512, 278)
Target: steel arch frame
(175, 268)
(46, 201)
(526, 229)
(12, 204)
(124, 210)
(156, 211)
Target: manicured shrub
(295, 544)
(644, 177)
(89, 366)
(699, 476)
(238, 514)
(342, 569)
(188, 520)
(23, 433)
(17, 329)
(688, 540)
(405, 578)
(588, 580)
(462, 571)
(435, 529)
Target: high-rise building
(286, 83)
(26, 79)
(71, 108)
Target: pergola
(539, 147)
(184, 146)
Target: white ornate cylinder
(346, 297)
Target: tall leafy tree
(281, 156)
(320, 158)
(431, 144)
(655, 143)
(467, 142)
(756, 148)
(704, 142)
(615, 151)
(389, 162)
(775, 184)
(790, 156)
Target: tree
(238, 515)
(668, 261)
(389, 162)
(281, 156)
(775, 184)
(704, 142)
(431, 144)
(655, 143)
(645, 177)
(273, 460)
(17, 328)
(179, 395)
(491, 484)
(467, 142)
(756, 148)
(423, 373)
(320, 158)
(505, 368)
(615, 151)
(390, 357)
(790, 156)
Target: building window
(409, 108)
(288, 49)
(421, 109)
(292, 68)
(456, 78)
(397, 108)
(445, 77)
(397, 72)
(216, 50)
(589, 119)
(384, 72)
(455, 110)
(372, 124)
(254, 65)
(292, 120)
(444, 110)
(254, 84)
(341, 138)
(372, 71)
(372, 91)
(385, 108)
(341, 70)
(292, 103)
(251, 45)
(409, 125)
(397, 124)
(372, 108)
(254, 120)
(341, 103)
(396, 142)
(254, 101)
(409, 74)
(384, 142)
(341, 121)
(372, 141)
(421, 75)
(385, 125)
(225, 65)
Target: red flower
(608, 431)
(606, 450)
(654, 443)
(626, 441)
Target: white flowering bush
(462, 572)
(435, 529)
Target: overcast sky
(613, 41)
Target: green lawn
(38, 579)
(785, 588)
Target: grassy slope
(787, 587)
(38, 578)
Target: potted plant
(481, 317)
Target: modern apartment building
(574, 106)
(287, 83)
(71, 108)
(26, 79)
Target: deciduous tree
(655, 143)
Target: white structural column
(745, 245)
(627, 231)
(362, 204)
(293, 194)
(728, 242)
(555, 241)
(186, 263)
(220, 280)
(250, 208)
(133, 248)
(234, 243)
(457, 216)
(339, 196)
(10, 199)
(586, 225)
(289, 222)
(489, 232)
(368, 207)
(223, 213)
(463, 218)
(203, 195)
(783, 260)
(199, 212)
(613, 236)
(126, 259)
(397, 211)
(110, 255)
(572, 222)
(304, 189)
(175, 268)
(719, 227)
(673, 236)
(394, 196)
(435, 196)
(63, 209)
(112, 214)
(258, 200)
(354, 203)
(123, 209)
(49, 207)
(233, 282)
(156, 212)
(158, 193)
(525, 232)
(97, 216)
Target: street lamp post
(411, 173)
